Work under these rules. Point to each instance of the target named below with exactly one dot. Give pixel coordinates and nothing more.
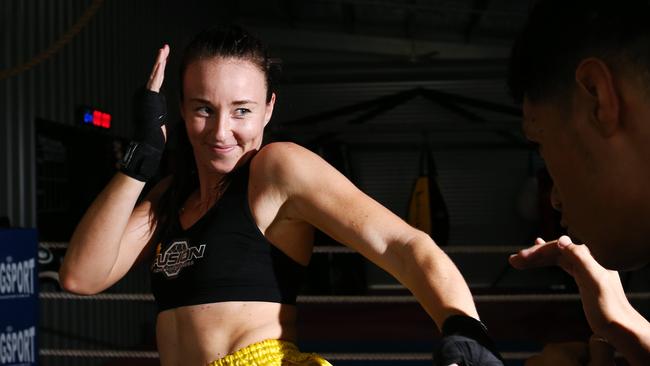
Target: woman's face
(225, 110)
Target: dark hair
(561, 33)
(231, 42)
(224, 41)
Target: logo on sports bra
(178, 256)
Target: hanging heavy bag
(427, 209)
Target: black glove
(145, 151)
(465, 342)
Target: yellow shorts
(271, 352)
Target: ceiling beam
(354, 43)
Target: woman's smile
(221, 148)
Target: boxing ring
(379, 327)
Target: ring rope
(330, 356)
(57, 45)
(408, 356)
(334, 249)
(347, 299)
(50, 295)
(97, 353)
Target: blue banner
(18, 297)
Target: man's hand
(603, 298)
(608, 311)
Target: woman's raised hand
(158, 72)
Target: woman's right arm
(109, 238)
(114, 231)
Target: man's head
(581, 69)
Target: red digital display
(101, 119)
(96, 118)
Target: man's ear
(269, 109)
(595, 80)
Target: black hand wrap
(144, 153)
(465, 341)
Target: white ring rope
(377, 356)
(53, 244)
(97, 353)
(329, 356)
(347, 299)
(408, 356)
(50, 295)
(340, 249)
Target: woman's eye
(204, 111)
(240, 112)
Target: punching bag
(427, 209)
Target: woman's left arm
(317, 193)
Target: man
(581, 69)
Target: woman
(232, 230)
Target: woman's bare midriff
(200, 334)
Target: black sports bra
(223, 257)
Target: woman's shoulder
(280, 149)
(278, 154)
(282, 161)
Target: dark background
(365, 83)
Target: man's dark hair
(561, 33)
